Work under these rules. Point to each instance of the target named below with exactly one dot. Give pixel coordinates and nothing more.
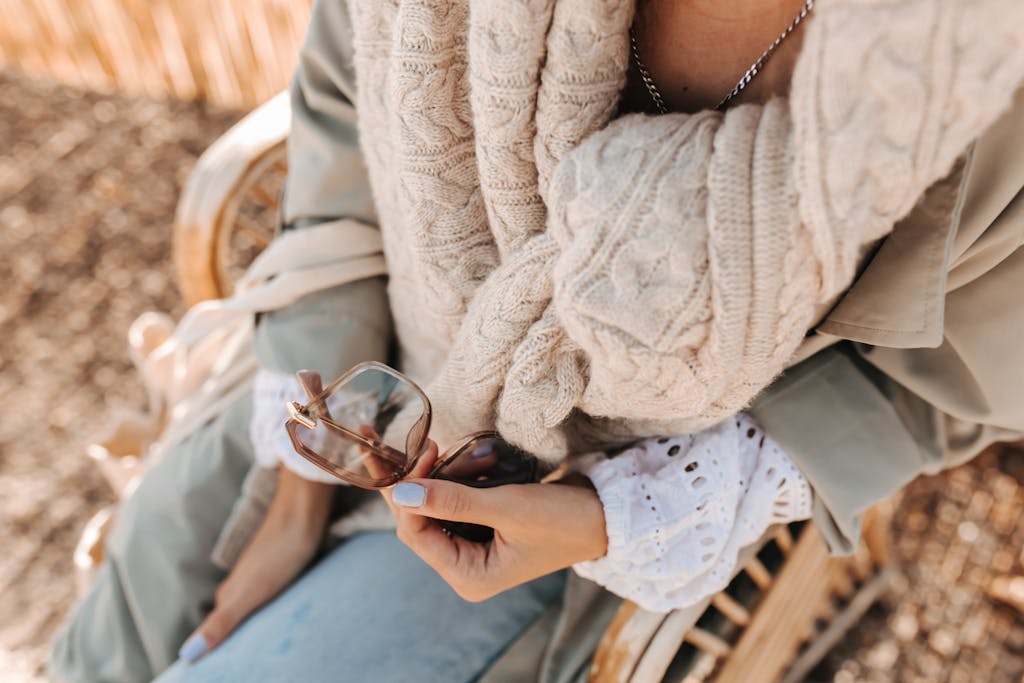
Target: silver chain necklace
(754, 69)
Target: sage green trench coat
(918, 367)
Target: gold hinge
(300, 416)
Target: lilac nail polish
(193, 648)
(408, 495)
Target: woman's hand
(282, 547)
(538, 529)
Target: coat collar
(899, 299)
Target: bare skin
(696, 50)
(526, 545)
(282, 547)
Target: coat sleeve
(861, 422)
(331, 330)
(832, 416)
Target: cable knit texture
(578, 281)
(679, 510)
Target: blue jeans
(372, 611)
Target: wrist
(590, 509)
(599, 538)
(303, 505)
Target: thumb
(217, 626)
(448, 500)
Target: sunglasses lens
(367, 404)
(488, 461)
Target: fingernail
(193, 648)
(409, 495)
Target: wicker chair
(782, 612)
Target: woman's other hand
(538, 529)
(281, 548)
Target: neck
(696, 50)
(723, 15)
(734, 11)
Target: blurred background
(105, 106)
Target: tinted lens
(488, 461)
(366, 404)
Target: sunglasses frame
(405, 463)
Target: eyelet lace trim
(679, 509)
(272, 391)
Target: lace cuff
(271, 445)
(679, 510)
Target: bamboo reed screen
(236, 53)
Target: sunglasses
(349, 430)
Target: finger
(376, 466)
(217, 626)
(422, 468)
(469, 464)
(458, 561)
(448, 500)
(311, 382)
(425, 463)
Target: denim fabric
(372, 611)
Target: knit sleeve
(736, 230)
(689, 279)
(679, 510)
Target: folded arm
(685, 257)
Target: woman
(583, 278)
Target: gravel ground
(952, 534)
(88, 185)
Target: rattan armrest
(786, 620)
(209, 203)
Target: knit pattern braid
(578, 281)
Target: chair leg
(89, 551)
(807, 588)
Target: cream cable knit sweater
(580, 281)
